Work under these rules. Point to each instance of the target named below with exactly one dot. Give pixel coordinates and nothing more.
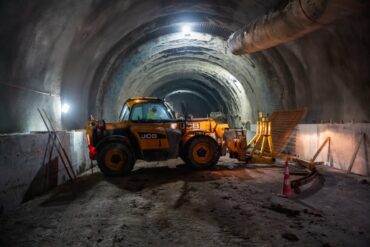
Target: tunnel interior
(173, 67)
(68, 181)
(96, 54)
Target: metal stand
(62, 154)
(263, 134)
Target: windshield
(150, 112)
(124, 113)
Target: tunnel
(95, 56)
(76, 61)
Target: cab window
(150, 112)
(125, 113)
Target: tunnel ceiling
(96, 54)
(157, 55)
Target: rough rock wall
(330, 71)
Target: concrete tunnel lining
(67, 48)
(110, 34)
(88, 34)
(94, 54)
(190, 86)
(161, 57)
(269, 77)
(236, 98)
(204, 107)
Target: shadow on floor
(68, 192)
(147, 178)
(45, 179)
(143, 178)
(313, 187)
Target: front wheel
(116, 159)
(202, 152)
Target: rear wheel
(183, 154)
(116, 159)
(183, 157)
(202, 152)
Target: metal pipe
(290, 22)
(29, 89)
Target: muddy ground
(168, 204)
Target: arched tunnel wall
(89, 53)
(329, 71)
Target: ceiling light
(65, 108)
(186, 29)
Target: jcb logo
(148, 136)
(190, 125)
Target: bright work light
(186, 29)
(65, 108)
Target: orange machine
(148, 130)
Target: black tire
(116, 159)
(202, 152)
(183, 155)
(184, 159)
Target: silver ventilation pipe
(294, 20)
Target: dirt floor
(168, 204)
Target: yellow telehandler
(148, 130)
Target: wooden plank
(320, 149)
(308, 164)
(363, 136)
(304, 163)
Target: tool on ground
(312, 163)
(311, 166)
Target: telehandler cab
(148, 130)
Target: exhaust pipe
(294, 20)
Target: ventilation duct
(294, 20)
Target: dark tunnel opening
(203, 99)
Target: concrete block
(30, 167)
(344, 138)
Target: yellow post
(255, 137)
(263, 146)
(270, 140)
(263, 133)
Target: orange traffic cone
(287, 189)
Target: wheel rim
(202, 153)
(115, 159)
